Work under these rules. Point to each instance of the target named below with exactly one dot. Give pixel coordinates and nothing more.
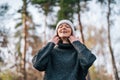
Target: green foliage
(101, 1)
(104, 1)
(39, 1)
(46, 5)
(18, 25)
(66, 9)
(1, 60)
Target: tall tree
(25, 31)
(24, 21)
(109, 42)
(80, 25)
(47, 7)
(79, 20)
(109, 2)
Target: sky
(93, 17)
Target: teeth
(64, 32)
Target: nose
(64, 27)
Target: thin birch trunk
(25, 40)
(109, 44)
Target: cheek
(70, 32)
(57, 31)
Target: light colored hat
(68, 22)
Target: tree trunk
(24, 14)
(81, 32)
(109, 44)
(80, 24)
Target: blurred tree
(80, 24)
(79, 20)
(109, 2)
(3, 33)
(25, 33)
(109, 42)
(65, 12)
(3, 9)
(47, 7)
(3, 37)
(4, 16)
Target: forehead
(64, 24)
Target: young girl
(64, 57)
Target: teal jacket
(64, 61)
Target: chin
(64, 36)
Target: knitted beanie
(67, 22)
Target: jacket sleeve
(86, 58)
(41, 59)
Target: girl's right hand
(55, 39)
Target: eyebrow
(64, 23)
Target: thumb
(81, 40)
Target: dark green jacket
(64, 62)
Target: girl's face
(64, 30)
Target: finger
(57, 38)
(71, 37)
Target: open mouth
(63, 32)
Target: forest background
(27, 25)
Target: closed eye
(66, 25)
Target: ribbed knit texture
(64, 62)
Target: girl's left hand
(72, 38)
